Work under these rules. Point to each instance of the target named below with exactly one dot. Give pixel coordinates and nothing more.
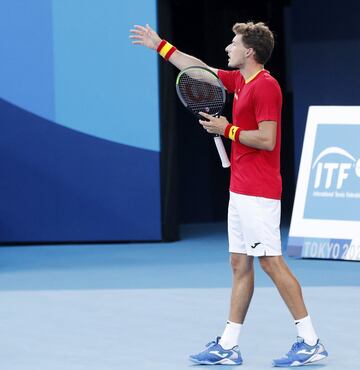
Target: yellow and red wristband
(165, 49)
(232, 132)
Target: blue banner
(79, 115)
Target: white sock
(231, 335)
(306, 330)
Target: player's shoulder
(267, 82)
(266, 79)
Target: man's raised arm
(147, 37)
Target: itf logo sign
(325, 222)
(342, 168)
(334, 186)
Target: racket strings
(201, 92)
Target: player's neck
(251, 70)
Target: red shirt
(253, 171)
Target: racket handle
(222, 152)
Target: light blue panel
(26, 72)
(104, 85)
(341, 168)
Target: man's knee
(241, 264)
(270, 264)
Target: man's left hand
(214, 125)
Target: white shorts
(254, 225)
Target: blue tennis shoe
(301, 354)
(214, 354)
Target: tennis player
(255, 187)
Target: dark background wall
(325, 49)
(315, 61)
(203, 29)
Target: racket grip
(222, 152)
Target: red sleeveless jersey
(253, 171)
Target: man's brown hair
(258, 37)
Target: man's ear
(249, 52)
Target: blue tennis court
(148, 306)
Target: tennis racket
(200, 90)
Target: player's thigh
(235, 234)
(271, 214)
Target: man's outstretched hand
(145, 36)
